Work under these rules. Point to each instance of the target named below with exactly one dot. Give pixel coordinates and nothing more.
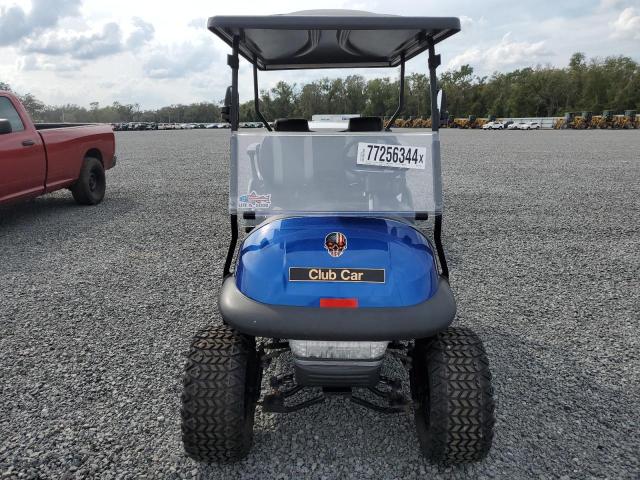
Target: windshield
(335, 173)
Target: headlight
(338, 350)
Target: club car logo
(335, 243)
(254, 201)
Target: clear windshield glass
(335, 173)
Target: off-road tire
(91, 185)
(451, 384)
(221, 388)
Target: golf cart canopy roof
(331, 38)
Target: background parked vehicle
(40, 158)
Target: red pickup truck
(39, 158)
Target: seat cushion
(291, 125)
(365, 124)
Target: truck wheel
(221, 388)
(91, 184)
(451, 383)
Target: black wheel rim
(93, 182)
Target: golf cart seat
(291, 125)
(365, 124)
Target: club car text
(317, 274)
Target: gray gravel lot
(98, 304)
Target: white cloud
(142, 33)
(199, 23)
(91, 46)
(466, 22)
(32, 63)
(506, 53)
(181, 60)
(609, 4)
(16, 23)
(627, 25)
(156, 55)
(78, 46)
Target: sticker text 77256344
(399, 156)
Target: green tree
(32, 105)
(596, 84)
(382, 97)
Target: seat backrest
(286, 165)
(291, 125)
(365, 124)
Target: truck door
(22, 157)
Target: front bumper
(337, 373)
(314, 323)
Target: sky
(160, 53)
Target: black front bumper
(314, 323)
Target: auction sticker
(400, 156)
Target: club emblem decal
(335, 243)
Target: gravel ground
(98, 305)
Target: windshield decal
(254, 201)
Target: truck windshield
(335, 173)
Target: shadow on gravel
(27, 229)
(50, 209)
(335, 439)
(28, 210)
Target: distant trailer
(341, 117)
(331, 121)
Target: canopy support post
(233, 62)
(256, 99)
(434, 63)
(400, 97)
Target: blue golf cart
(342, 265)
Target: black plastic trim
(337, 373)
(313, 323)
(437, 232)
(232, 246)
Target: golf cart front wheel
(221, 387)
(451, 383)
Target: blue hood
(405, 255)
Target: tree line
(612, 83)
